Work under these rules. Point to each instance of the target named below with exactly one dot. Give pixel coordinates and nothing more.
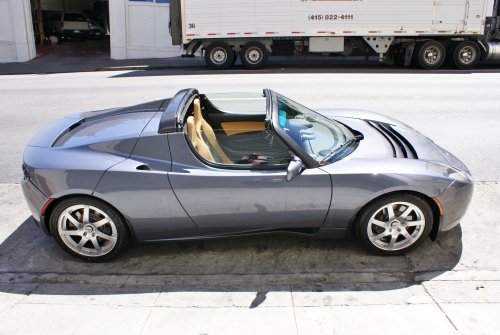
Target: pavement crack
(439, 306)
(145, 322)
(294, 314)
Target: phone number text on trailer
(330, 17)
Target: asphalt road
(459, 110)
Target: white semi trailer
(461, 32)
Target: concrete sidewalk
(258, 285)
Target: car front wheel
(395, 224)
(88, 229)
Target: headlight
(448, 171)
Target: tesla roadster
(212, 165)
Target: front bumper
(97, 33)
(455, 202)
(75, 32)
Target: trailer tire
(254, 55)
(464, 55)
(219, 55)
(429, 55)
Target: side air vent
(395, 139)
(143, 167)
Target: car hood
(97, 127)
(385, 137)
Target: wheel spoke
(407, 212)
(379, 236)
(390, 211)
(407, 235)
(380, 223)
(413, 223)
(96, 246)
(106, 237)
(71, 232)
(393, 241)
(101, 222)
(81, 244)
(72, 219)
(86, 214)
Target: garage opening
(73, 30)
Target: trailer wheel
(464, 55)
(219, 55)
(429, 55)
(254, 55)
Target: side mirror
(294, 168)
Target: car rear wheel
(88, 229)
(395, 224)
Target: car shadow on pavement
(226, 264)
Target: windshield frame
(272, 114)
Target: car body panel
(71, 155)
(255, 199)
(34, 198)
(361, 115)
(356, 182)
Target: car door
(229, 198)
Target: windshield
(241, 103)
(314, 133)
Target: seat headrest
(197, 113)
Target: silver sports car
(211, 165)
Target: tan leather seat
(197, 141)
(202, 125)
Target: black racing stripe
(394, 137)
(406, 142)
(387, 138)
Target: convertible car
(212, 165)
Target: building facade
(17, 42)
(138, 28)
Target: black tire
(464, 55)
(397, 236)
(254, 55)
(109, 238)
(219, 55)
(429, 55)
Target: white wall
(17, 42)
(140, 30)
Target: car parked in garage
(67, 24)
(95, 29)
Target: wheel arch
(436, 213)
(45, 219)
